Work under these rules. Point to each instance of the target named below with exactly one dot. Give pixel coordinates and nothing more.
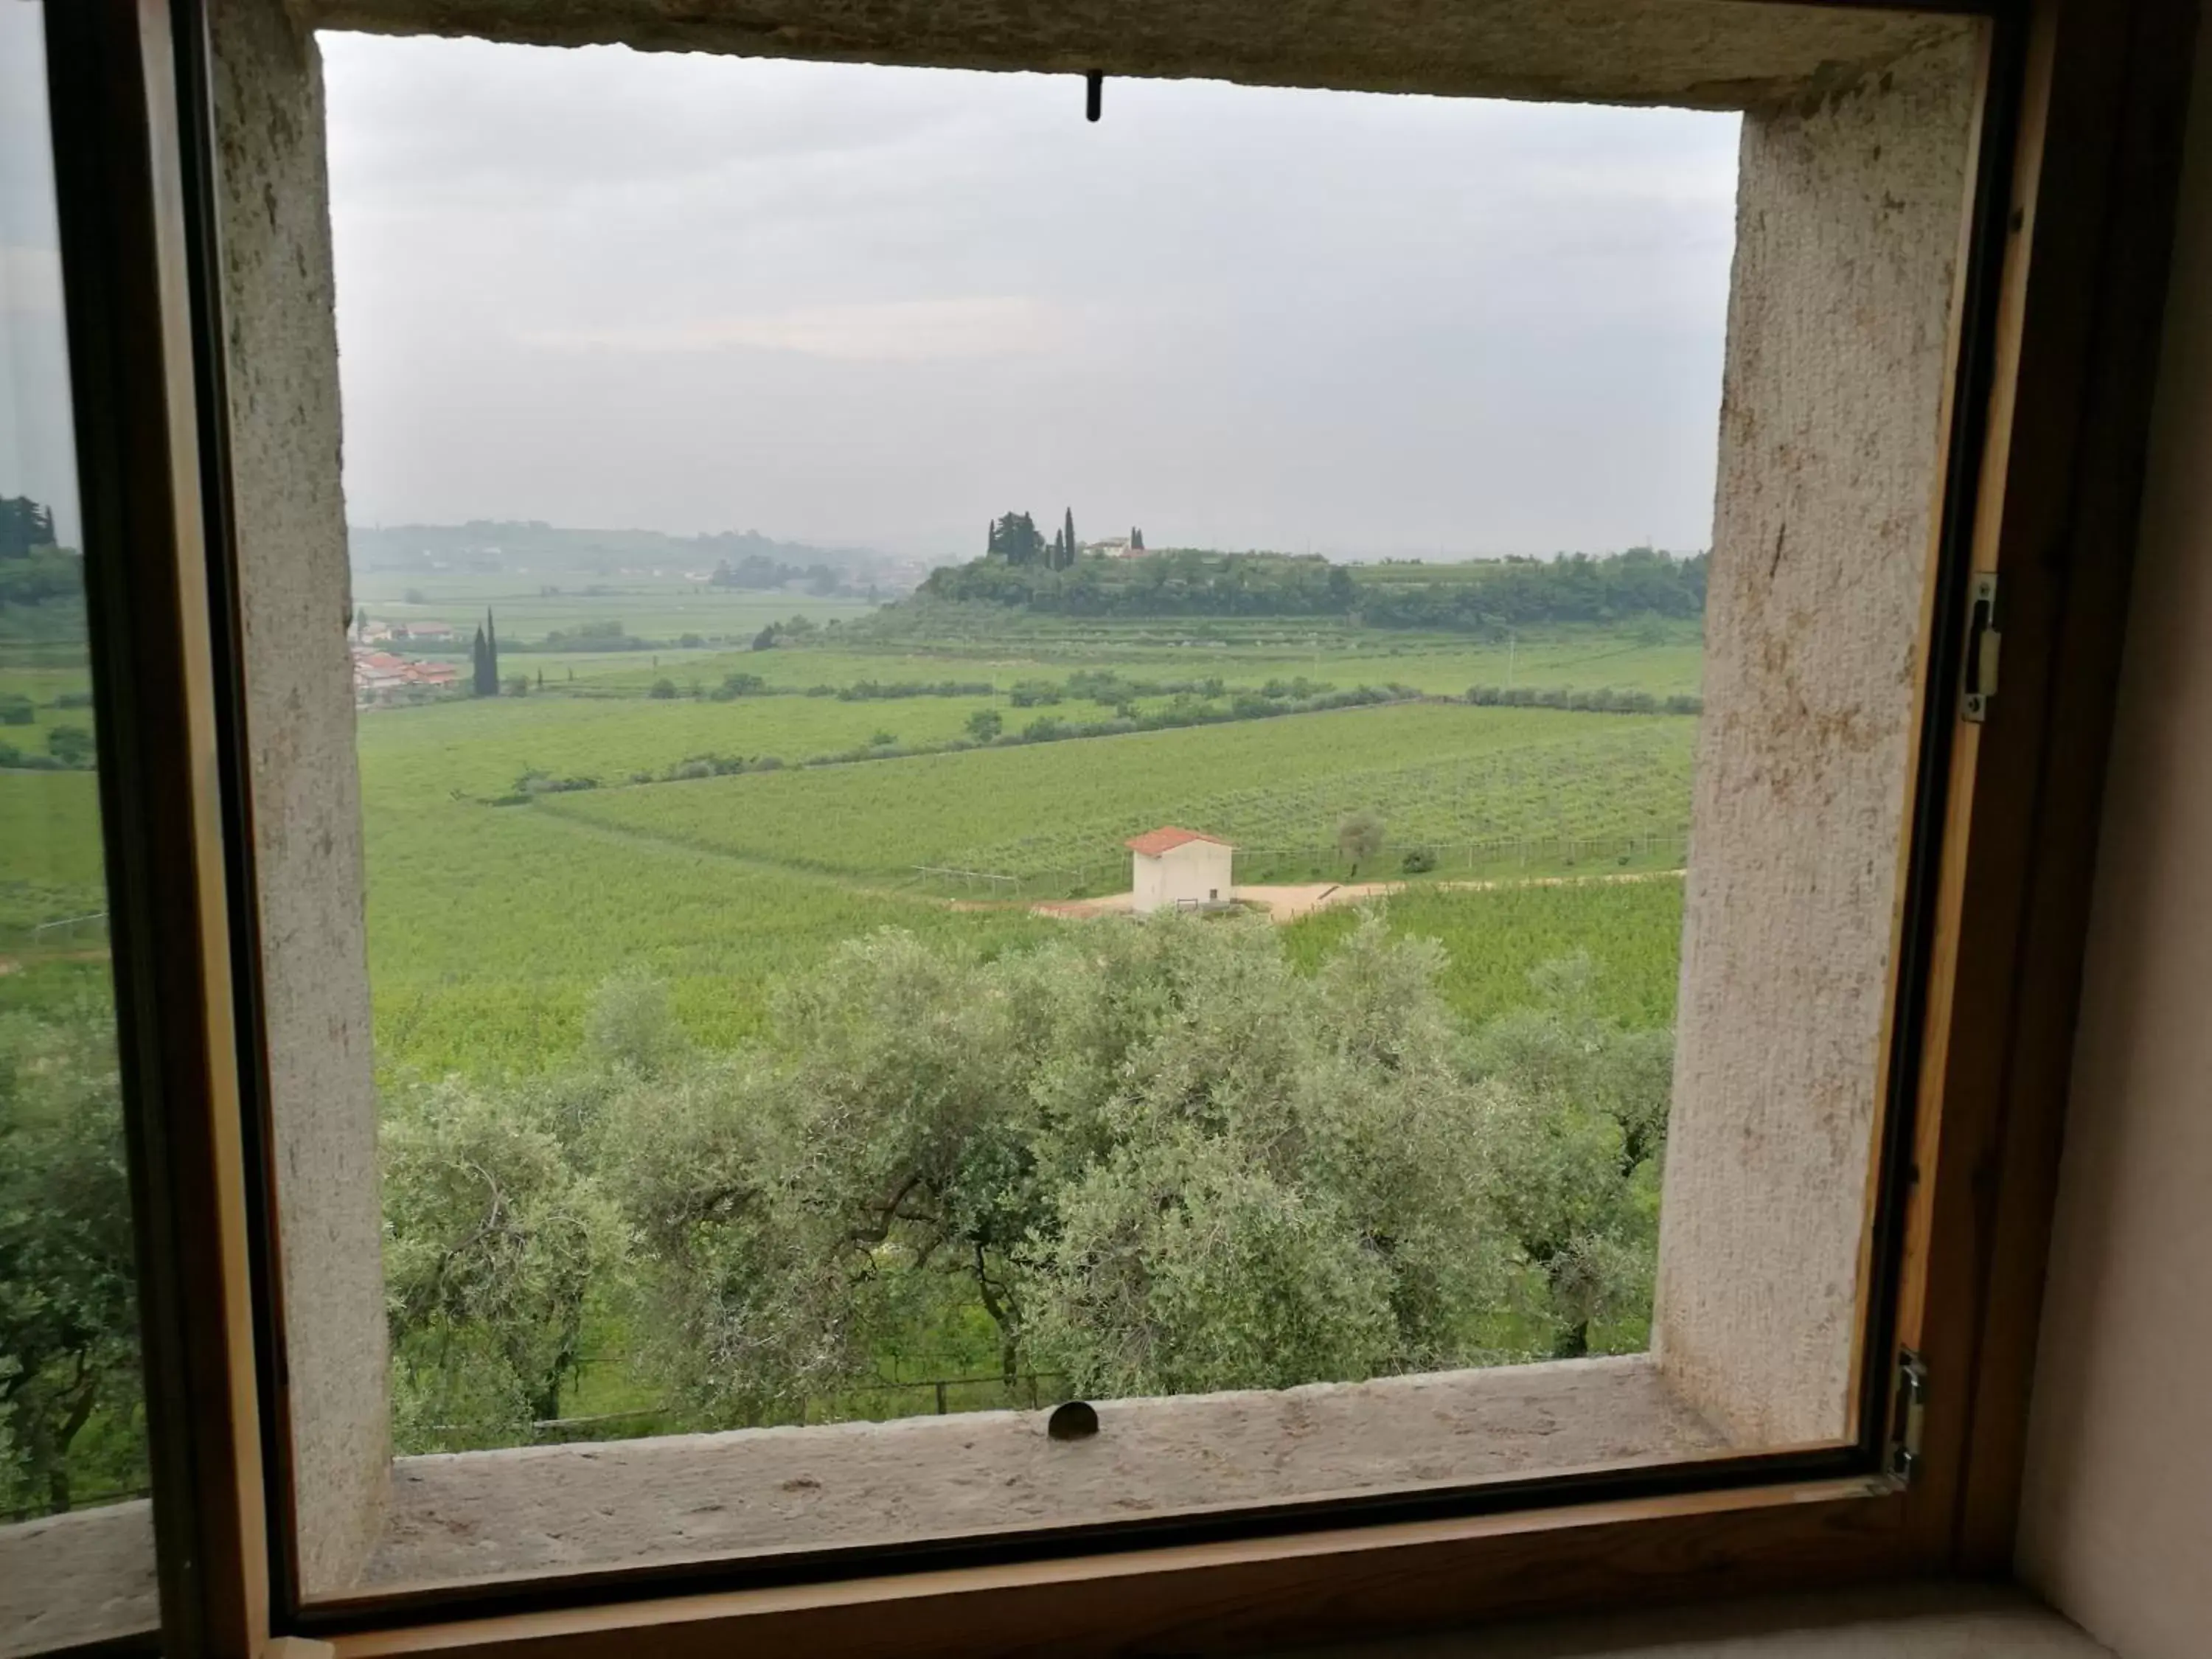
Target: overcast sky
(37, 446)
(842, 304)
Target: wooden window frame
(2050, 423)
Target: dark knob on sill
(1076, 1421)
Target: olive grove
(1138, 1159)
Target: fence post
(940, 1399)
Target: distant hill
(1470, 596)
(511, 546)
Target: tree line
(758, 571)
(1482, 596)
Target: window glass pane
(1241, 767)
(76, 1560)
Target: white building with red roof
(380, 678)
(1178, 869)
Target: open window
(1119, 1055)
(776, 1113)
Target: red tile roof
(1166, 839)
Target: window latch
(1983, 640)
(1910, 1409)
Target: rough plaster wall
(1711, 53)
(1892, 1622)
(1847, 226)
(2116, 1522)
(282, 366)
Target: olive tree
(1141, 1157)
(1156, 1156)
(1359, 837)
(69, 1321)
(494, 1244)
(1574, 1108)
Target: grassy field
(50, 859)
(1662, 661)
(49, 852)
(1632, 930)
(662, 605)
(480, 746)
(1439, 773)
(490, 926)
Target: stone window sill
(476, 1516)
(70, 1579)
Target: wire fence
(89, 929)
(1258, 865)
(1279, 864)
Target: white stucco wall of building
(1197, 873)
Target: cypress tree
(1017, 539)
(1068, 532)
(491, 653)
(478, 658)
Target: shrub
(17, 711)
(663, 689)
(1359, 837)
(534, 782)
(71, 746)
(1418, 861)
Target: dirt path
(1282, 904)
(1290, 904)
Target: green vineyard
(1443, 777)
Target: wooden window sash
(2100, 88)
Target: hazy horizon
(853, 306)
(1044, 523)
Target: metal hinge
(1909, 1411)
(1983, 640)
